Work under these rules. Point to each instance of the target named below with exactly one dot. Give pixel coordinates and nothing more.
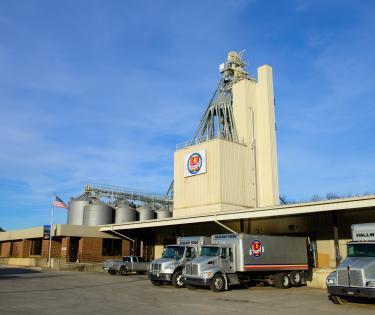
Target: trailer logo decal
(256, 249)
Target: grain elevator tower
(231, 162)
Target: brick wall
(5, 249)
(126, 248)
(55, 248)
(26, 246)
(90, 249)
(17, 249)
(65, 248)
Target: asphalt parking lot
(27, 291)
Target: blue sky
(102, 91)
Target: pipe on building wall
(225, 227)
(121, 235)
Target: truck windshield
(361, 250)
(174, 252)
(210, 251)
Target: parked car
(125, 265)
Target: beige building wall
(225, 186)
(265, 137)
(238, 174)
(254, 116)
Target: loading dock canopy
(355, 203)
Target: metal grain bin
(163, 213)
(145, 213)
(97, 213)
(75, 213)
(125, 212)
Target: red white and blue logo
(256, 249)
(194, 163)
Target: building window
(36, 247)
(111, 247)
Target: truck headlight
(207, 274)
(331, 281)
(370, 284)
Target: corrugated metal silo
(145, 213)
(163, 213)
(125, 212)
(75, 213)
(97, 213)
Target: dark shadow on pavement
(16, 271)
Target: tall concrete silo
(125, 212)
(97, 213)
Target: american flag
(58, 203)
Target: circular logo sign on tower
(194, 163)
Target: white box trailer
(355, 275)
(234, 258)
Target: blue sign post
(46, 232)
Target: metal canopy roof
(252, 213)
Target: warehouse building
(225, 181)
(70, 244)
(226, 178)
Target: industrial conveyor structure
(217, 121)
(118, 193)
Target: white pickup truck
(125, 265)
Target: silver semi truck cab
(355, 276)
(168, 268)
(234, 258)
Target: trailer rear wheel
(338, 299)
(281, 280)
(218, 283)
(177, 279)
(295, 278)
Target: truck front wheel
(177, 279)
(337, 299)
(281, 280)
(123, 271)
(218, 283)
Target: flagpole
(50, 230)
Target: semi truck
(355, 275)
(168, 268)
(234, 259)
